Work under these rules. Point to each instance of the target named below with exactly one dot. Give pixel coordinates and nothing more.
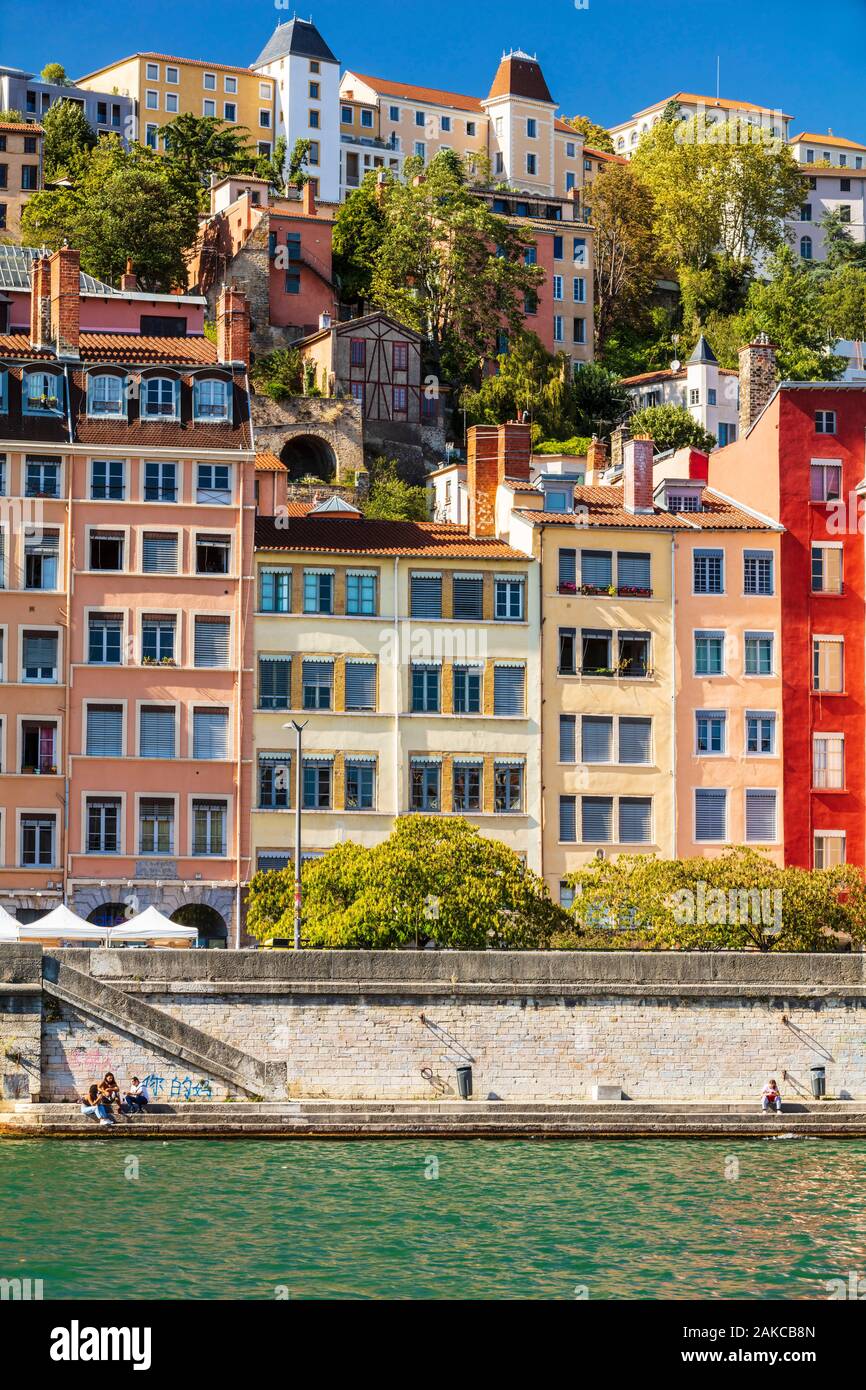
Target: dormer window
(105, 395)
(211, 399)
(43, 393)
(683, 500)
(160, 398)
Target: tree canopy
(625, 250)
(598, 137)
(55, 73)
(68, 137)
(671, 427)
(391, 497)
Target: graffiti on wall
(177, 1088)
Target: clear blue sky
(606, 61)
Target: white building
(709, 392)
(713, 111)
(834, 174)
(307, 79)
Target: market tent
(151, 925)
(62, 924)
(8, 926)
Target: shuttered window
(635, 820)
(596, 817)
(596, 739)
(632, 571)
(211, 641)
(276, 590)
(568, 819)
(210, 734)
(596, 568)
(39, 656)
(828, 663)
(426, 596)
(156, 732)
(508, 691)
(635, 740)
(104, 731)
(567, 571)
(567, 738)
(761, 815)
(275, 674)
(159, 554)
(468, 596)
(275, 770)
(711, 818)
(758, 572)
(318, 682)
(360, 685)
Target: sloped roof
(128, 348)
(266, 462)
(432, 540)
(520, 75)
(694, 98)
(16, 264)
(335, 505)
(434, 96)
(22, 127)
(818, 139)
(298, 38)
(702, 352)
(604, 507)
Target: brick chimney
(596, 459)
(65, 269)
(758, 376)
(637, 478)
(308, 199)
(40, 303)
(515, 451)
(618, 440)
(494, 453)
(233, 327)
(129, 279)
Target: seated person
(770, 1097)
(110, 1090)
(136, 1098)
(93, 1104)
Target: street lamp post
(299, 786)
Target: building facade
(107, 112)
(773, 123)
(834, 181)
(306, 79)
(21, 172)
(709, 393)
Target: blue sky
(606, 61)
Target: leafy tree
(599, 402)
(68, 136)
(596, 136)
(358, 231)
(12, 117)
(391, 497)
(55, 73)
(839, 245)
(278, 374)
(790, 308)
(434, 878)
(273, 166)
(199, 146)
(625, 250)
(844, 301)
(124, 205)
(671, 427)
(561, 405)
(577, 445)
(299, 159)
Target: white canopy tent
(61, 924)
(8, 926)
(151, 925)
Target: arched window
(211, 400)
(806, 248)
(160, 398)
(43, 393)
(106, 394)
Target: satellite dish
(676, 364)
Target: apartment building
(799, 460)
(834, 180)
(127, 489)
(709, 392)
(410, 653)
(160, 88)
(107, 112)
(21, 172)
(773, 123)
(306, 80)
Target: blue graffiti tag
(179, 1087)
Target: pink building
(127, 500)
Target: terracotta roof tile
(331, 533)
(434, 95)
(836, 140)
(520, 76)
(266, 462)
(23, 127)
(604, 506)
(129, 348)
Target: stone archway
(209, 923)
(309, 455)
(329, 431)
(109, 914)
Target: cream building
(711, 110)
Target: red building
(800, 460)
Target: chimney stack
(637, 478)
(65, 269)
(40, 303)
(233, 327)
(308, 199)
(596, 460)
(618, 440)
(129, 279)
(493, 454)
(758, 377)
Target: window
(596, 819)
(39, 657)
(635, 820)
(532, 164)
(508, 599)
(829, 848)
(360, 785)
(151, 132)
(578, 289)
(711, 395)
(425, 688)
(358, 352)
(107, 482)
(212, 641)
(596, 739)
(318, 591)
(759, 654)
(633, 574)
(105, 395)
(467, 689)
(39, 747)
(275, 590)
(596, 571)
(468, 596)
(393, 113)
(558, 331)
(160, 482)
(275, 682)
(151, 99)
(157, 640)
(760, 815)
(209, 81)
(104, 737)
(567, 572)
(694, 397)
(152, 72)
(210, 734)
(318, 680)
(37, 841)
(806, 212)
(710, 732)
(155, 826)
(633, 654)
(360, 685)
(567, 651)
(103, 825)
(274, 781)
(212, 554)
(106, 550)
(828, 762)
(264, 118)
(425, 596)
(557, 287)
(104, 639)
(420, 149)
(41, 477)
(825, 481)
(159, 398)
(758, 572)
(635, 740)
(467, 786)
(709, 653)
(507, 787)
(760, 733)
(825, 422)
(156, 732)
(579, 250)
(509, 691)
(159, 553)
(211, 399)
(317, 784)
(313, 158)
(313, 119)
(727, 433)
(711, 815)
(209, 827)
(709, 572)
(595, 657)
(171, 75)
(424, 780)
(41, 554)
(826, 569)
(214, 486)
(568, 819)
(230, 84)
(828, 664)
(399, 400)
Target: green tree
(391, 497)
(12, 117)
(279, 374)
(840, 248)
(560, 405)
(434, 878)
(56, 74)
(273, 166)
(597, 137)
(68, 137)
(199, 146)
(598, 400)
(671, 427)
(843, 298)
(297, 174)
(625, 250)
(790, 307)
(358, 231)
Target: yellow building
(411, 650)
(164, 87)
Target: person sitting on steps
(770, 1097)
(94, 1104)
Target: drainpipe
(67, 656)
(540, 745)
(239, 721)
(673, 651)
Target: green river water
(106, 1219)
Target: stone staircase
(363, 1119)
